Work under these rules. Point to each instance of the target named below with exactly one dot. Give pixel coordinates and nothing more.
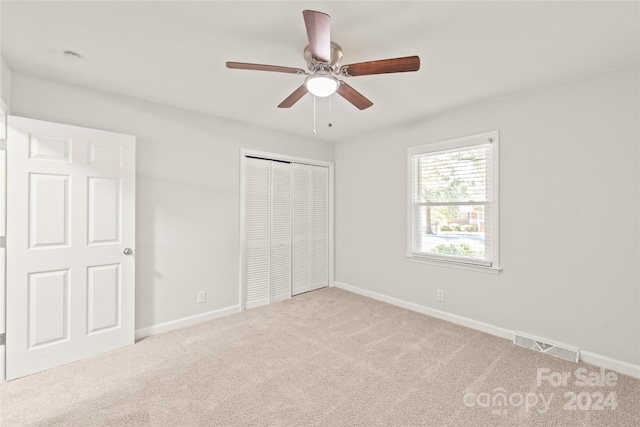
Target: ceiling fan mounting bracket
(316, 66)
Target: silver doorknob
(128, 251)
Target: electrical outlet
(202, 297)
(440, 295)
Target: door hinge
(3, 144)
(3, 341)
(3, 242)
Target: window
(453, 202)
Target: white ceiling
(174, 53)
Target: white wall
(5, 82)
(569, 184)
(187, 194)
(570, 188)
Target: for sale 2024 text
(600, 399)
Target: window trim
(456, 144)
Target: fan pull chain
(330, 123)
(314, 114)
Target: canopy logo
(595, 393)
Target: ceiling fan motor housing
(324, 67)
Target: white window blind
(453, 201)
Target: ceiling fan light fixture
(321, 85)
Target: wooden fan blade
(353, 96)
(262, 67)
(395, 65)
(319, 33)
(294, 97)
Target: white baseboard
(453, 318)
(619, 366)
(585, 356)
(185, 321)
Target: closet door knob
(127, 251)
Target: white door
(70, 226)
(310, 228)
(256, 243)
(319, 227)
(266, 231)
(280, 231)
(301, 269)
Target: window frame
(450, 145)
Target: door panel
(103, 297)
(48, 210)
(319, 227)
(70, 215)
(48, 321)
(310, 228)
(104, 210)
(105, 153)
(280, 231)
(266, 231)
(301, 228)
(257, 247)
(48, 148)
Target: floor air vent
(556, 350)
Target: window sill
(454, 264)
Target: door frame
(244, 152)
(4, 112)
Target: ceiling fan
(323, 61)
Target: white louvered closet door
(257, 246)
(310, 228)
(319, 227)
(301, 269)
(280, 231)
(286, 230)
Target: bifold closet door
(301, 269)
(267, 232)
(257, 245)
(319, 227)
(280, 231)
(310, 269)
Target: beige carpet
(324, 358)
